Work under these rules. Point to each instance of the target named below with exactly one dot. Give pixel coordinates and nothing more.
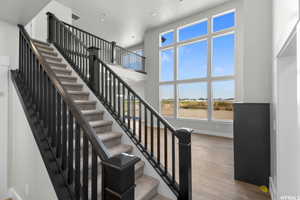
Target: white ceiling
(126, 21)
(20, 11)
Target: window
(196, 64)
(223, 55)
(222, 22)
(197, 69)
(167, 39)
(167, 65)
(193, 31)
(193, 104)
(167, 101)
(223, 97)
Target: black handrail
(109, 51)
(137, 118)
(73, 141)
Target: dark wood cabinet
(252, 143)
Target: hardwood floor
(212, 172)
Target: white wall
(8, 58)
(27, 173)
(283, 174)
(37, 27)
(254, 49)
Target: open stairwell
(146, 186)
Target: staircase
(146, 186)
(96, 135)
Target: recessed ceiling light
(102, 19)
(133, 37)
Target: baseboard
(273, 191)
(13, 194)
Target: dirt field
(168, 109)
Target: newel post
(113, 52)
(118, 177)
(94, 69)
(185, 163)
(51, 25)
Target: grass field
(223, 110)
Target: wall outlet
(26, 189)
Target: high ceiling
(125, 21)
(20, 11)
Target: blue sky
(193, 60)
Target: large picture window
(197, 69)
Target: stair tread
(92, 112)
(61, 69)
(66, 76)
(85, 102)
(71, 84)
(100, 123)
(160, 197)
(78, 92)
(109, 136)
(40, 46)
(121, 148)
(56, 64)
(145, 185)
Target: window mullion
(176, 73)
(209, 72)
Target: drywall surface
(9, 42)
(27, 173)
(38, 26)
(285, 16)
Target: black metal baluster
(70, 148)
(77, 162)
(64, 135)
(128, 109)
(54, 101)
(85, 182)
(58, 137)
(119, 100)
(146, 129)
(152, 134)
(173, 159)
(123, 102)
(114, 95)
(94, 176)
(158, 141)
(166, 149)
(134, 117)
(140, 121)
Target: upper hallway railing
(109, 52)
(78, 151)
(168, 150)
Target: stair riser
(94, 117)
(79, 97)
(103, 129)
(87, 106)
(112, 142)
(139, 172)
(67, 80)
(73, 87)
(151, 194)
(58, 72)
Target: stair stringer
(163, 188)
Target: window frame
(210, 78)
